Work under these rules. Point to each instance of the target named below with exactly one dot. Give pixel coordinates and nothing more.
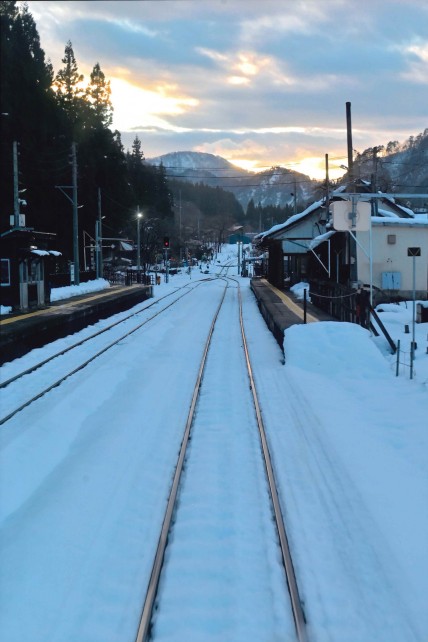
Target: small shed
(25, 266)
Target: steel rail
(38, 365)
(143, 631)
(298, 614)
(146, 616)
(59, 381)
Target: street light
(139, 217)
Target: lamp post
(139, 217)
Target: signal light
(166, 241)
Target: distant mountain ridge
(393, 168)
(276, 186)
(198, 162)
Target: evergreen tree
(98, 95)
(69, 90)
(44, 115)
(137, 153)
(31, 121)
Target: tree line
(45, 114)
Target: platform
(22, 332)
(281, 310)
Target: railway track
(22, 390)
(207, 379)
(158, 584)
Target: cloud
(417, 63)
(139, 107)
(266, 78)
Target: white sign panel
(345, 220)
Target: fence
(128, 277)
(341, 303)
(335, 299)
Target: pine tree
(98, 95)
(69, 90)
(27, 99)
(137, 153)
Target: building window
(5, 272)
(392, 239)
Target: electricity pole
(75, 218)
(16, 211)
(99, 239)
(352, 245)
(75, 274)
(327, 189)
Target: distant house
(237, 235)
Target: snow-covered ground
(350, 446)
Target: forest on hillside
(396, 167)
(44, 116)
(51, 122)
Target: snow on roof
(339, 192)
(320, 239)
(387, 213)
(392, 219)
(46, 252)
(292, 219)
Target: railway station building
(307, 247)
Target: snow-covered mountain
(196, 164)
(275, 186)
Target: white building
(391, 264)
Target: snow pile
(364, 436)
(58, 294)
(299, 290)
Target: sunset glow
(136, 107)
(258, 83)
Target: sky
(86, 471)
(258, 83)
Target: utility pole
(295, 197)
(75, 273)
(349, 142)
(374, 181)
(16, 212)
(352, 244)
(327, 189)
(99, 239)
(75, 218)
